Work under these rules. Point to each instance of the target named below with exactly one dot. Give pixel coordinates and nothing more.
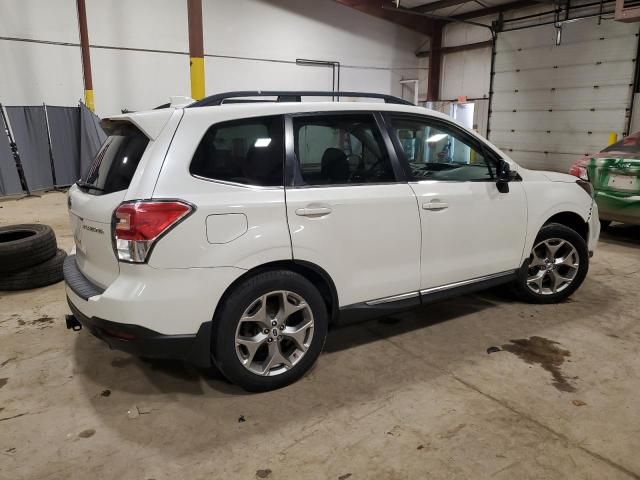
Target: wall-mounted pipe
(196, 48)
(86, 56)
(335, 71)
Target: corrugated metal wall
(552, 104)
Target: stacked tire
(29, 257)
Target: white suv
(236, 230)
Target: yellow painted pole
(613, 138)
(197, 78)
(196, 48)
(88, 100)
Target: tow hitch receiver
(73, 323)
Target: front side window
(341, 149)
(435, 152)
(248, 151)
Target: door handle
(313, 211)
(435, 205)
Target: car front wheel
(556, 267)
(269, 331)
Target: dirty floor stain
(547, 354)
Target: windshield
(116, 162)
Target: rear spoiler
(150, 123)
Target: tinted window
(630, 144)
(249, 151)
(117, 160)
(439, 153)
(341, 149)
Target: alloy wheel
(553, 265)
(274, 333)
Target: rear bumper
(618, 206)
(142, 342)
(161, 313)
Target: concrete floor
(411, 396)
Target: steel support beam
(86, 56)
(457, 48)
(435, 63)
(196, 48)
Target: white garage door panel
(467, 73)
(566, 99)
(560, 143)
(610, 73)
(539, 161)
(609, 49)
(558, 122)
(552, 104)
(541, 142)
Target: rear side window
(341, 149)
(117, 160)
(249, 151)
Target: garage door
(552, 104)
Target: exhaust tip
(73, 323)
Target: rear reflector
(139, 224)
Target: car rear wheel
(269, 331)
(556, 267)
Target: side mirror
(503, 176)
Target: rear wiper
(88, 186)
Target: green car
(615, 176)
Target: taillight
(579, 171)
(138, 225)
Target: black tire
(23, 246)
(548, 232)
(228, 316)
(604, 224)
(45, 273)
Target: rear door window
(117, 160)
(340, 149)
(248, 151)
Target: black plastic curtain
(91, 137)
(75, 135)
(64, 125)
(9, 181)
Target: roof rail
(290, 96)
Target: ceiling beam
(373, 7)
(433, 6)
(505, 7)
(457, 48)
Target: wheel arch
(571, 220)
(312, 272)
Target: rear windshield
(117, 160)
(630, 144)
